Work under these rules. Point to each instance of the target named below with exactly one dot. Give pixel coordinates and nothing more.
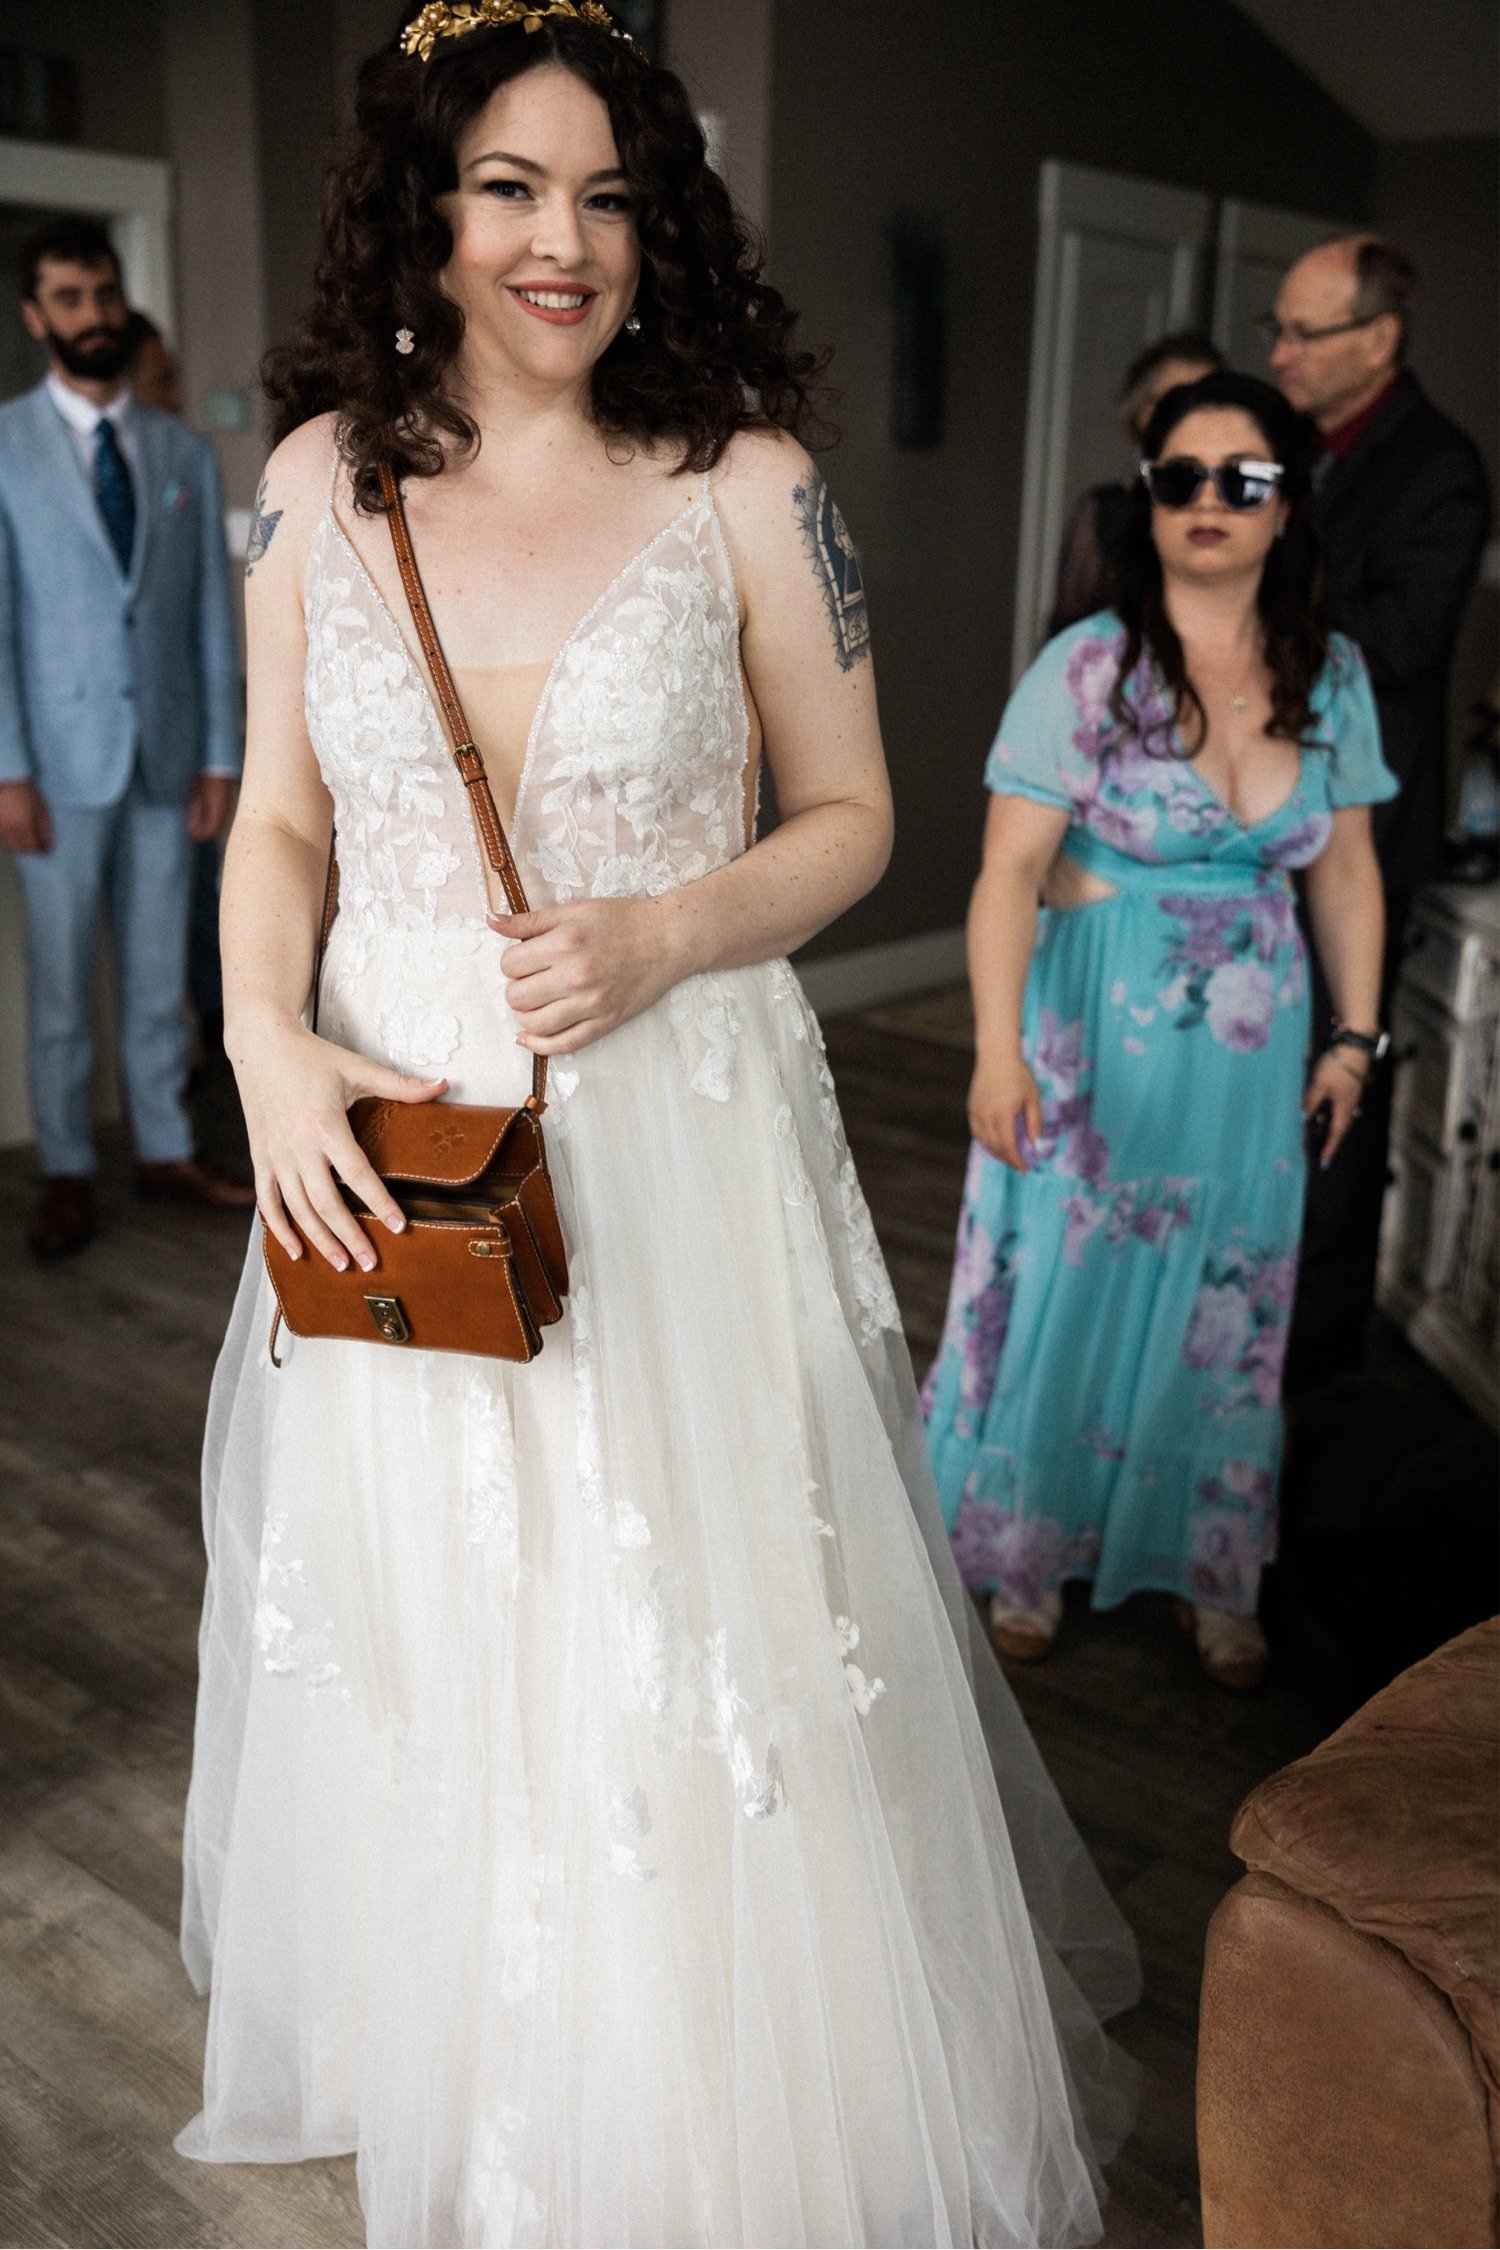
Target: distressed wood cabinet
(1440, 1240)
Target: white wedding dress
(591, 1821)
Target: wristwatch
(1375, 1044)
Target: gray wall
(1440, 200)
(296, 59)
(116, 45)
(949, 111)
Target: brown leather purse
(481, 1266)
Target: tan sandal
(1232, 1650)
(1026, 1635)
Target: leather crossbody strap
(465, 757)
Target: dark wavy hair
(1294, 630)
(713, 354)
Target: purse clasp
(390, 1320)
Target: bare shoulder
(757, 473)
(291, 494)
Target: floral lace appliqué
(635, 784)
(865, 1693)
(706, 1022)
(287, 1647)
(490, 1468)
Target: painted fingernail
(397, 1225)
(341, 1265)
(367, 1265)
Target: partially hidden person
(156, 379)
(1404, 507)
(1098, 518)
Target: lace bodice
(634, 773)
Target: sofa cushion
(1394, 1823)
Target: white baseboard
(873, 973)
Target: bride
(592, 1823)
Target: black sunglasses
(1241, 485)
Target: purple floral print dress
(1105, 1403)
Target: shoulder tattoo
(262, 529)
(835, 564)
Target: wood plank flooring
(104, 1373)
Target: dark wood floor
(105, 1368)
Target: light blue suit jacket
(100, 670)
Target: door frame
(133, 193)
(1070, 197)
(1259, 230)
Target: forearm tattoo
(830, 550)
(262, 529)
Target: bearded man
(119, 723)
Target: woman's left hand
(577, 971)
(1338, 1079)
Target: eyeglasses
(1295, 334)
(1241, 485)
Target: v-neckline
(1217, 798)
(702, 498)
(1221, 803)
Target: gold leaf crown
(450, 19)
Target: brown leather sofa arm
(1338, 2099)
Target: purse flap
(446, 1143)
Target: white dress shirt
(81, 418)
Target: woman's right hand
(1003, 1096)
(296, 1090)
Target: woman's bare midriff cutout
(1067, 885)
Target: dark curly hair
(713, 354)
(1290, 597)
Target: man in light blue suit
(119, 723)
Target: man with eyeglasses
(1404, 505)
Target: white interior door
(133, 198)
(1256, 245)
(1119, 262)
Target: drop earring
(632, 322)
(405, 341)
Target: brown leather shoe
(191, 1181)
(64, 1219)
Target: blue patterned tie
(112, 488)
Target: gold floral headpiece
(450, 19)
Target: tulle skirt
(592, 1822)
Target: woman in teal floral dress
(1105, 1403)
